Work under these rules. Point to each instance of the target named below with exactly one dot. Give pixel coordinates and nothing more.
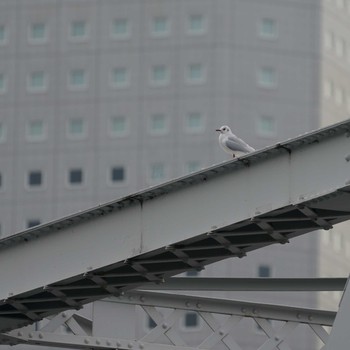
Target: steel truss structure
(290, 318)
(267, 197)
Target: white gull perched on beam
(232, 144)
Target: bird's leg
(233, 155)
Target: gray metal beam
(228, 307)
(72, 341)
(248, 284)
(223, 211)
(339, 337)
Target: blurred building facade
(100, 98)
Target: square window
(2, 132)
(75, 176)
(191, 320)
(33, 222)
(2, 83)
(264, 271)
(38, 32)
(2, 34)
(267, 77)
(158, 123)
(120, 77)
(118, 125)
(35, 129)
(266, 126)
(37, 81)
(157, 171)
(268, 28)
(160, 25)
(194, 122)
(78, 29)
(195, 72)
(120, 27)
(117, 174)
(77, 78)
(159, 74)
(35, 178)
(196, 24)
(76, 127)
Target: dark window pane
(33, 222)
(191, 319)
(264, 271)
(35, 178)
(75, 176)
(117, 174)
(192, 273)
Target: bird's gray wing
(234, 143)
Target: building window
(76, 128)
(195, 73)
(117, 174)
(329, 40)
(160, 75)
(35, 178)
(264, 271)
(158, 123)
(268, 28)
(160, 26)
(3, 84)
(75, 176)
(77, 79)
(2, 132)
(35, 130)
(267, 77)
(191, 320)
(328, 88)
(196, 24)
(339, 96)
(192, 273)
(78, 30)
(37, 33)
(194, 122)
(120, 77)
(37, 82)
(157, 172)
(340, 47)
(33, 222)
(192, 166)
(266, 126)
(120, 28)
(337, 240)
(2, 34)
(118, 126)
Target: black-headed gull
(232, 144)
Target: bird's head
(224, 130)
